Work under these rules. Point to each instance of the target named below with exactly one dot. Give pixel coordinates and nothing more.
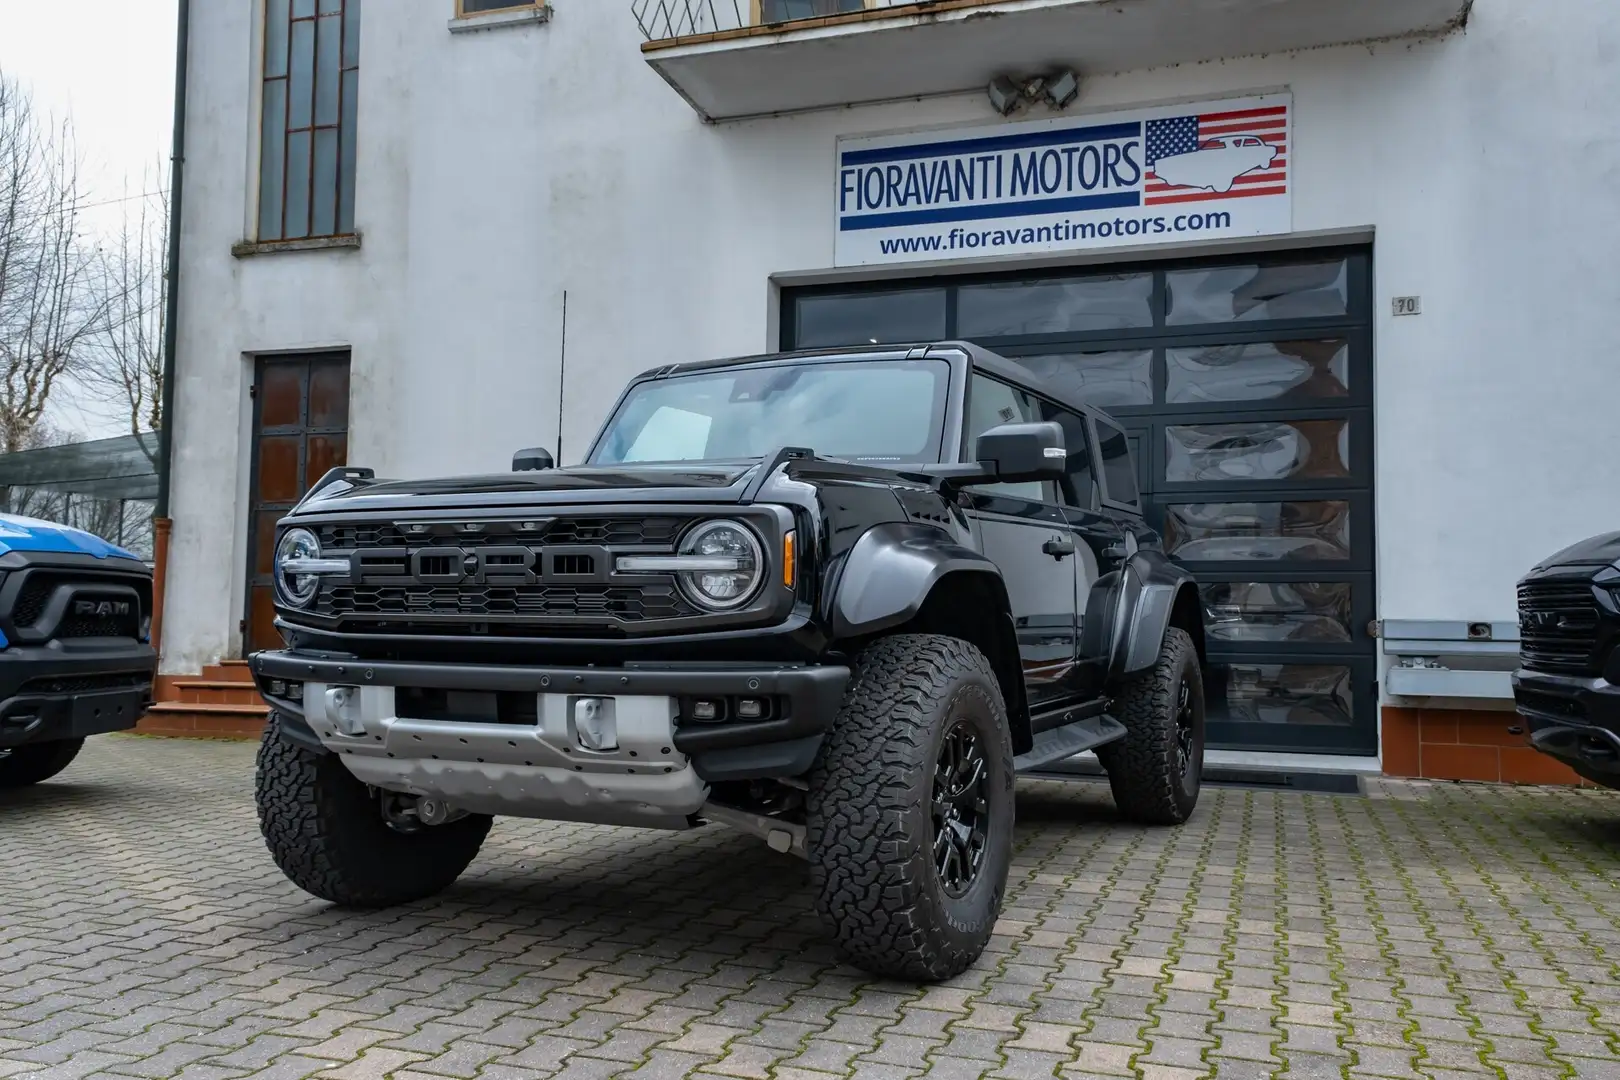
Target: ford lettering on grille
(504, 565)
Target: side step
(1069, 740)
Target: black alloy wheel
(961, 809)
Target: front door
(300, 430)
(1023, 530)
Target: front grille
(474, 603)
(1558, 626)
(45, 600)
(612, 531)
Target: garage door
(1247, 388)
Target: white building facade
(1341, 267)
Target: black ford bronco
(836, 600)
(1567, 687)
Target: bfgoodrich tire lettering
(873, 810)
(40, 761)
(326, 831)
(1156, 770)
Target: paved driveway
(1426, 930)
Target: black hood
(1602, 550)
(710, 481)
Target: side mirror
(532, 460)
(1022, 452)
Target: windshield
(869, 411)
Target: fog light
(750, 708)
(705, 710)
(277, 688)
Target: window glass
(1112, 302)
(1257, 532)
(1296, 611)
(771, 11)
(1226, 294)
(1079, 484)
(1276, 450)
(1256, 372)
(1309, 694)
(1103, 379)
(308, 123)
(479, 7)
(1119, 474)
(877, 411)
(992, 403)
(885, 318)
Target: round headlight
(297, 589)
(731, 545)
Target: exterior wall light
(1004, 95)
(1062, 88)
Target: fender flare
(888, 574)
(1130, 610)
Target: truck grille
(531, 576)
(1558, 626)
(44, 590)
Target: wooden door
(300, 430)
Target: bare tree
(49, 307)
(123, 366)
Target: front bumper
(70, 690)
(657, 774)
(1574, 719)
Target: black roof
(980, 357)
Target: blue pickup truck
(76, 657)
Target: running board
(1069, 740)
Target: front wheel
(1156, 770)
(326, 831)
(37, 762)
(910, 815)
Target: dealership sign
(1201, 171)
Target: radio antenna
(562, 375)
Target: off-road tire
(326, 831)
(1149, 786)
(871, 812)
(39, 761)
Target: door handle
(1059, 547)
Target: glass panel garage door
(1246, 385)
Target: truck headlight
(297, 556)
(726, 565)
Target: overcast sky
(108, 65)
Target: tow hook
(410, 813)
(432, 811)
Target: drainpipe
(162, 524)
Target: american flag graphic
(1229, 134)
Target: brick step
(213, 692)
(204, 721)
(228, 671)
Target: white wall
(501, 168)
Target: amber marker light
(789, 566)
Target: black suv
(1568, 683)
(837, 600)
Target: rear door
(1023, 530)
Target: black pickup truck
(1567, 687)
(75, 652)
(837, 600)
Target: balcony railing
(673, 20)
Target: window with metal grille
(311, 95)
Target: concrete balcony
(739, 58)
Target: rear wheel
(910, 815)
(327, 832)
(40, 761)
(1156, 770)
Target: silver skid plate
(546, 770)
